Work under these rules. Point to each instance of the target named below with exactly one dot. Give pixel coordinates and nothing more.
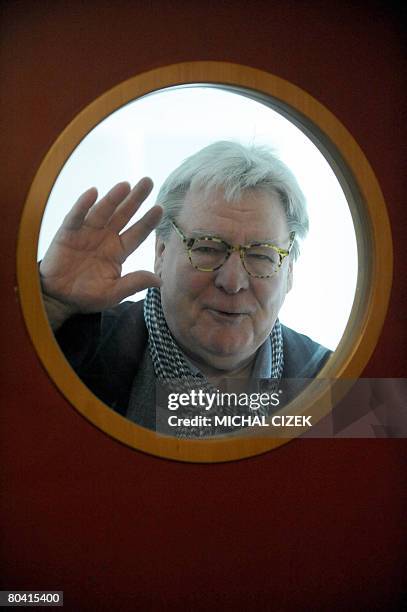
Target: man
(226, 242)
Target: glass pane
(152, 135)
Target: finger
(123, 213)
(137, 233)
(77, 214)
(136, 281)
(100, 214)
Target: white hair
(234, 168)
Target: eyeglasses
(259, 259)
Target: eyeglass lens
(210, 254)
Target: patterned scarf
(171, 365)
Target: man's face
(221, 318)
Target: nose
(232, 277)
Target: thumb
(136, 281)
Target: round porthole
(271, 111)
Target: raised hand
(82, 267)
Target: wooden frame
(369, 215)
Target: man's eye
(261, 257)
(208, 247)
(205, 249)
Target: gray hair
(234, 168)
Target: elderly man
(225, 247)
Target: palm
(83, 264)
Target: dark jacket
(107, 350)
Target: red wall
(314, 525)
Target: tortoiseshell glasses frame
(224, 251)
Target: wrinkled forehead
(254, 215)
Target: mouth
(225, 315)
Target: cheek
(182, 288)
(193, 283)
(198, 282)
(270, 298)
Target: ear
(290, 275)
(159, 255)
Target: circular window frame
(370, 219)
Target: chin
(225, 355)
(225, 343)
